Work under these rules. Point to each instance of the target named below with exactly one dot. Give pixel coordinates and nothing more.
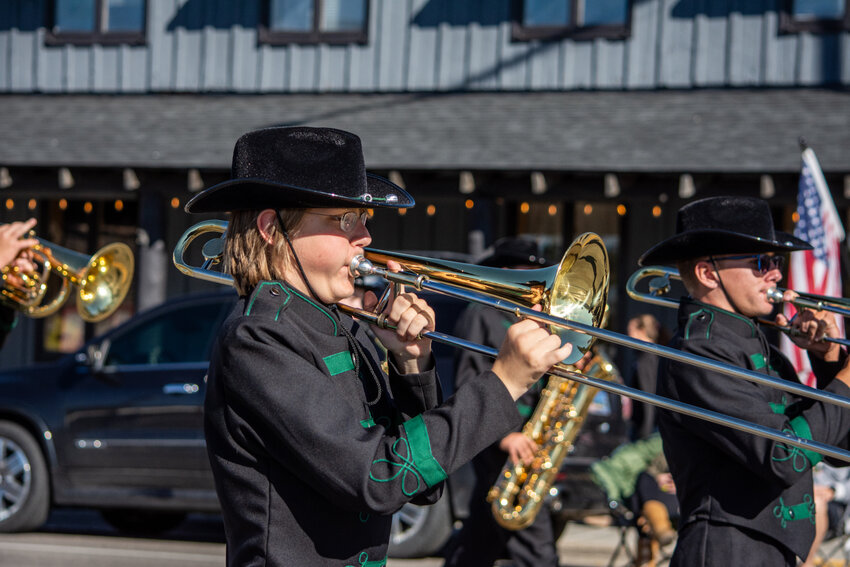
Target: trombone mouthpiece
(360, 266)
(774, 295)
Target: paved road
(80, 538)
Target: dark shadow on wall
(23, 15)
(219, 14)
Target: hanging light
(588, 208)
(621, 210)
(469, 203)
(87, 207)
(431, 210)
(63, 204)
(524, 208)
(119, 205)
(5, 178)
(553, 210)
(10, 204)
(175, 202)
(656, 211)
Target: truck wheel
(24, 485)
(420, 531)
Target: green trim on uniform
(363, 561)
(339, 362)
(524, 410)
(691, 318)
(777, 408)
(320, 308)
(367, 423)
(8, 326)
(802, 429)
(758, 361)
(802, 511)
(420, 451)
(259, 287)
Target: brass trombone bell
(102, 281)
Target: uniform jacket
(310, 458)
(736, 478)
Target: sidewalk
(583, 545)
(580, 545)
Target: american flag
(815, 271)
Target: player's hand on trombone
(809, 327)
(411, 316)
(527, 352)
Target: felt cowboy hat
(299, 167)
(510, 251)
(722, 225)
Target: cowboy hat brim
(254, 194)
(708, 242)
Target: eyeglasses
(347, 221)
(763, 262)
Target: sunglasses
(763, 262)
(347, 221)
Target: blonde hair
(248, 258)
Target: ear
(266, 222)
(706, 275)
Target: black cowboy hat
(299, 167)
(722, 225)
(513, 251)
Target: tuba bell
(102, 281)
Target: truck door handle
(180, 389)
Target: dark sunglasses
(763, 262)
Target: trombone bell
(576, 289)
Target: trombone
(660, 284)
(575, 290)
(102, 281)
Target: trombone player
(744, 499)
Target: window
(817, 16)
(183, 335)
(581, 19)
(314, 21)
(88, 22)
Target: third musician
(745, 500)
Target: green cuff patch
(420, 451)
(802, 429)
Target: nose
(774, 275)
(361, 237)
